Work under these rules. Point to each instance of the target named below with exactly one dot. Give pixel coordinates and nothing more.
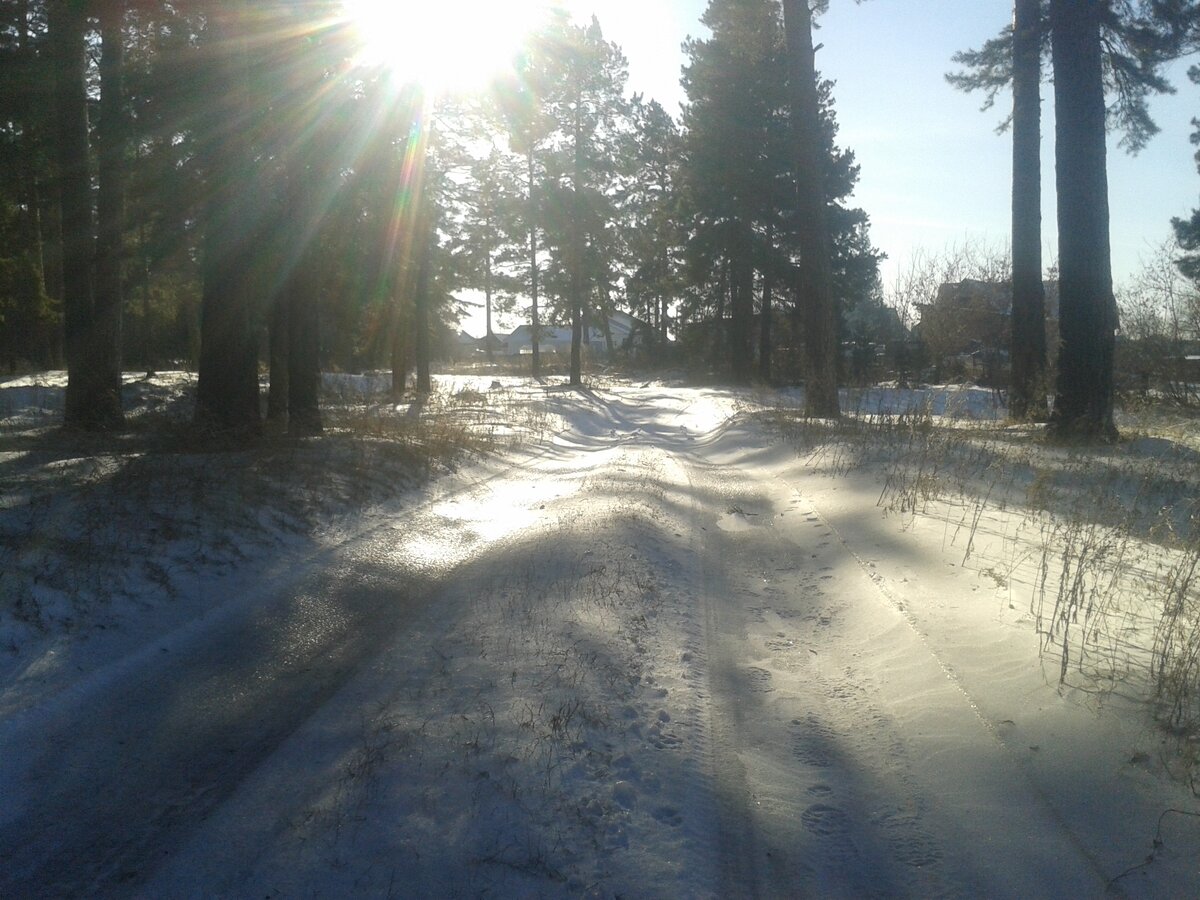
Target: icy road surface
(659, 657)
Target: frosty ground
(642, 640)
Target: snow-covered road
(658, 657)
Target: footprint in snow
(812, 742)
(760, 680)
(668, 815)
(825, 820)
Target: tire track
(741, 872)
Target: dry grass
(1105, 539)
(86, 520)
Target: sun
(443, 45)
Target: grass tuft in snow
(1104, 540)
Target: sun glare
(444, 45)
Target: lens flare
(443, 46)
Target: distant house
(624, 330)
(994, 297)
(967, 325)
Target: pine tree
(1187, 231)
(227, 396)
(584, 98)
(741, 179)
(91, 402)
(653, 236)
(735, 88)
(1027, 355)
(112, 174)
(1083, 405)
(1098, 48)
(812, 229)
(29, 320)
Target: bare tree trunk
(85, 407)
(1083, 405)
(577, 245)
(534, 325)
(421, 302)
(764, 330)
(304, 346)
(741, 310)
(488, 338)
(52, 247)
(399, 353)
(28, 145)
(278, 346)
(723, 301)
(147, 336)
(816, 267)
(111, 138)
(227, 386)
(1027, 394)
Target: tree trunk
(488, 338)
(147, 336)
(577, 248)
(278, 347)
(111, 139)
(764, 329)
(1027, 393)
(534, 324)
(421, 302)
(663, 317)
(399, 353)
(1083, 405)
(67, 22)
(723, 301)
(812, 231)
(28, 147)
(741, 310)
(227, 387)
(304, 348)
(52, 246)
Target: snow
(669, 643)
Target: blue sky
(934, 173)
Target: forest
(223, 184)
(229, 186)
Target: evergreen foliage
(1107, 58)
(242, 191)
(739, 175)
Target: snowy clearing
(666, 642)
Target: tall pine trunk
(86, 407)
(111, 140)
(278, 345)
(398, 351)
(764, 327)
(1083, 405)
(488, 338)
(534, 323)
(577, 247)
(812, 230)
(1027, 393)
(304, 346)
(741, 311)
(426, 241)
(28, 148)
(227, 387)
(723, 303)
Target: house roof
(996, 295)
